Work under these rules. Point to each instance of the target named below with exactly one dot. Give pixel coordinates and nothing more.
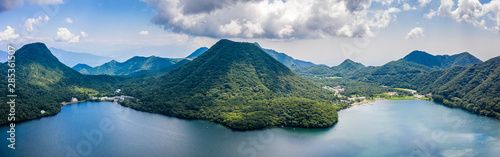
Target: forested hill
(475, 88)
(79, 67)
(346, 68)
(133, 65)
(238, 85)
(43, 82)
(441, 61)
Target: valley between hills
(244, 86)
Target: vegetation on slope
(42, 83)
(133, 65)
(240, 86)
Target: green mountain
(316, 71)
(395, 74)
(348, 65)
(71, 59)
(441, 61)
(240, 86)
(79, 67)
(475, 88)
(197, 53)
(43, 82)
(158, 72)
(133, 65)
(346, 68)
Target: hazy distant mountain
(239, 85)
(441, 61)
(3, 56)
(72, 58)
(285, 59)
(197, 53)
(133, 65)
(80, 67)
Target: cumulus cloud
(143, 32)
(271, 19)
(407, 6)
(6, 5)
(472, 11)
(197, 6)
(33, 21)
(423, 3)
(83, 34)
(384, 2)
(64, 35)
(46, 1)
(415, 33)
(8, 34)
(68, 20)
(431, 14)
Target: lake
(385, 128)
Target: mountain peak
(35, 52)
(81, 66)
(349, 64)
(441, 61)
(237, 74)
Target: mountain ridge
(441, 61)
(132, 65)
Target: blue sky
(372, 32)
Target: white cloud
(253, 28)
(64, 35)
(33, 21)
(8, 34)
(472, 11)
(68, 20)
(384, 2)
(423, 3)
(406, 6)
(83, 34)
(143, 32)
(431, 14)
(272, 19)
(46, 1)
(232, 28)
(415, 33)
(385, 17)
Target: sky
(372, 32)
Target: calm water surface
(385, 128)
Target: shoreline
(73, 102)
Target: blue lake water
(385, 128)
